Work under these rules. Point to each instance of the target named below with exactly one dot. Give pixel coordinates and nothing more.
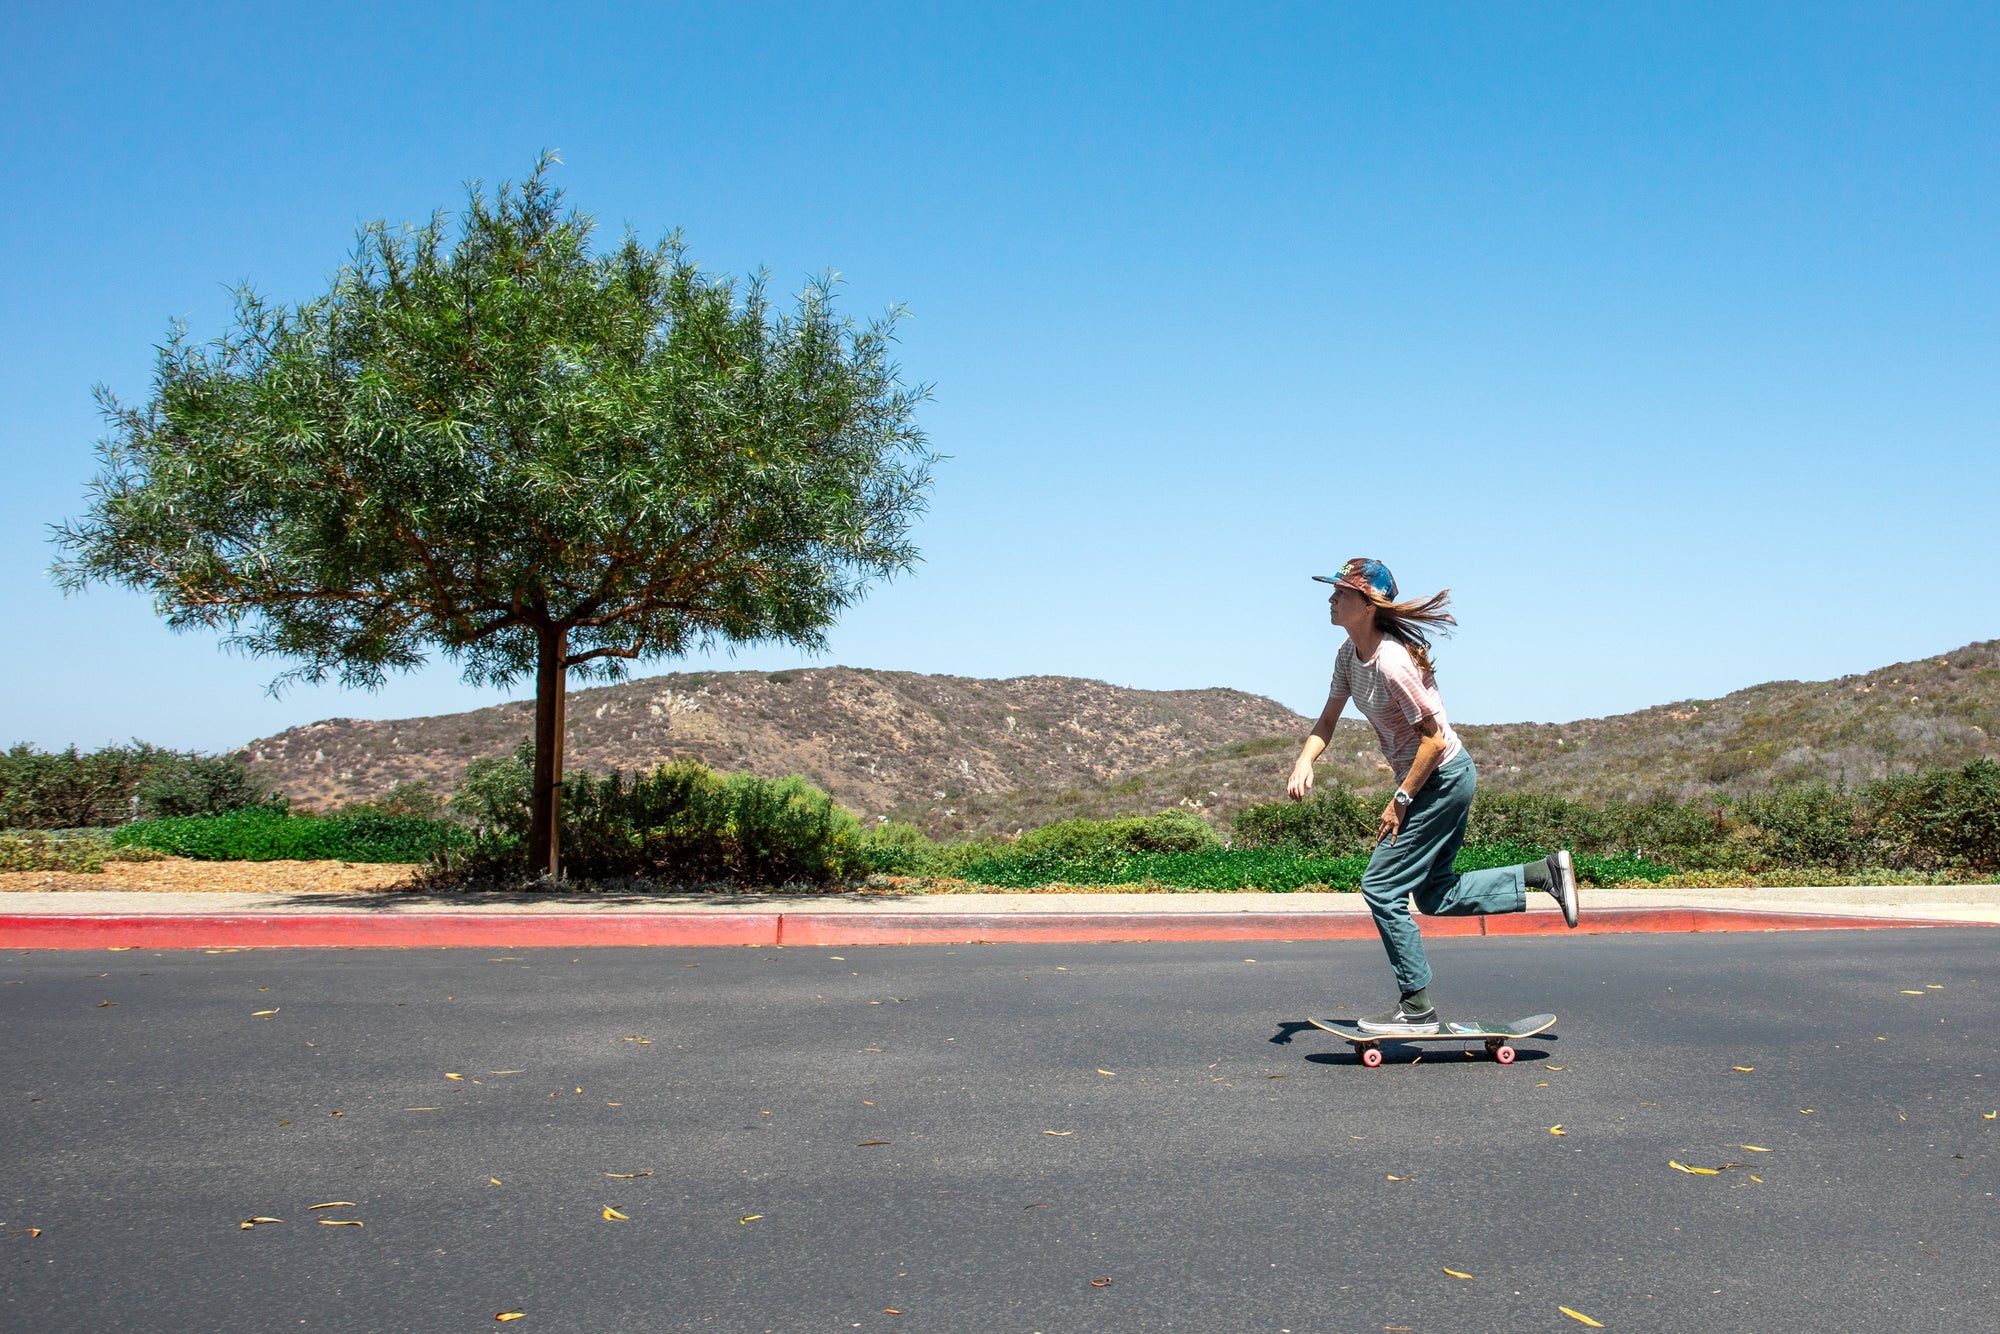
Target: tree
(510, 449)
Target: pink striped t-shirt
(1393, 694)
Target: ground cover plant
(264, 833)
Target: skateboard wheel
(1504, 1054)
(1371, 1057)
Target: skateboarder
(1385, 668)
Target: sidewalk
(126, 919)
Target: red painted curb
(580, 930)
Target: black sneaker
(1400, 1020)
(1562, 883)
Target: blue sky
(1664, 336)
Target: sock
(1418, 1001)
(1539, 875)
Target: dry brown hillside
(961, 756)
(876, 740)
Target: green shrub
(70, 790)
(1334, 819)
(1940, 819)
(1808, 825)
(1168, 831)
(201, 785)
(683, 822)
(262, 834)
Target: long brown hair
(1412, 623)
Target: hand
(1390, 824)
(1302, 780)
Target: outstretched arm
(1322, 732)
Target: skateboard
(1496, 1036)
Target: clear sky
(1664, 335)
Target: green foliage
(681, 823)
(1940, 818)
(262, 834)
(1168, 831)
(1334, 819)
(71, 790)
(38, 852)
(493, 794)
(415, 797)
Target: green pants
(1418, 866)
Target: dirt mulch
(183, 875)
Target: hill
(962, 756)
(878, 741)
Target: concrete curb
(581, 930)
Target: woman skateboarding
(1385, 668)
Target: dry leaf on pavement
(1580, 1317)
(613, 1216)
(1456, 1273)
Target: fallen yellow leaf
(1933, 986)
(1557, 1130)
(1743, 1069)
(1805, 1111)
(1753, 1148)
(36, 1232)
(102, 1004)
(1579, 1316)
(1556, 1067)
(449, 1076)
(890, 1310)
(1991, 1115)
(120, 949)
(626, 1176)
(1913, 993)
(511, 1315)
(1456, 1274)
(1100, 1283)
(261, 1014)
(1059, 1133)
(494, 1180)
(871, 1143)
(613, 1216)
(1102, 1071)
(836, 958)
(261, 1219)
(341, 1222)
(1754, 1177)
(506, 1072)
(423, 1109)
(334, 1204)
(749, 1218)
(1396, 1178)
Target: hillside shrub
(262, 834)
(38, 852)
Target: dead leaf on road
(260, 1219)
(1579, 1316)
(1557, 1130)
(1456, 1274)
(102, 1004)
(613, 1216)
(457, 1077)
(1395, 1178)
(627, 1176)
(1059, 1134)
(494, 1180)
(511, 1315)
(1743, 1069)
(335, 1204)
(871, 1143)
(262, 1014)
(1102, 1071)
(341, 1222)
(749, 1218)
(1753, 1148)
(1100, 1282)
(1026, 1207)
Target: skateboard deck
(1497, 1037)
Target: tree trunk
(545, 822)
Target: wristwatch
(1402, 798)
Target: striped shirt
(1394, 695)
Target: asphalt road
(1005, 1138)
